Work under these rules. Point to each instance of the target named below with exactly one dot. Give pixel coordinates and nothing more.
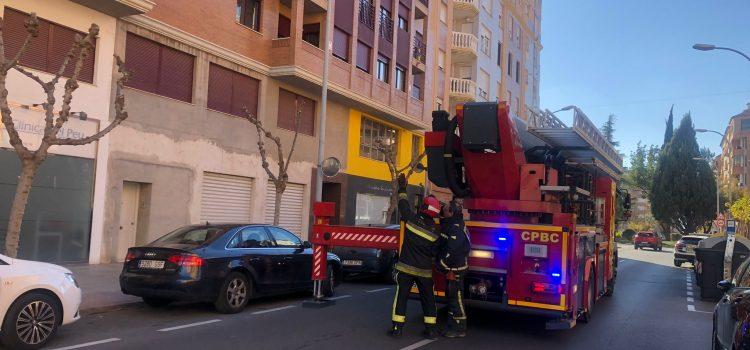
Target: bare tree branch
(297, 121)
(261, 145)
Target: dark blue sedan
(226, 264)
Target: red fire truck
(541, 200)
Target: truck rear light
(186, 260)
(482, 254)
(548, 288)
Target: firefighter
(415, 262)
(453, 262)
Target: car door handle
(288, 258)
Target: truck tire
(590, 300)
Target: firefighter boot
(456, 329)
(430, 332)
(396, 330)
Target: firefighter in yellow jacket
(415, 261)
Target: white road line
(690, 300)
(188, 325)
(377, 290)
(418, 344)
(340, 297)
(110, 340)
(272, 310)
(703, 312)
(690, 293)
(691, 307)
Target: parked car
(731, 321)
(368, 260)
(35, 300)
(684, 249)
(225, 264)
(647, 239)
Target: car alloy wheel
(236, 293)
(36, 322)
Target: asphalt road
(651, 309)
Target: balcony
(464, 47)
(465, 8)
(463, 90)
(419, 54)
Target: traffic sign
(719, 222)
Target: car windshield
(193, 235)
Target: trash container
(709, 266)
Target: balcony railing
(367, 13)
(420, 50)
(465, 41)
(463, 89)
(386, 26)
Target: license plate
(352, 262)
(151, 264)
(535, 250)
(690, 249)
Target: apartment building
(733, 164)
(65, 212)
(495, 48)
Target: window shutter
(307, 124)
(244, 94)
(340, 44)
(14, 33)
(363, 56)
(286, 112)
(142, 60)
(176, 74)
(219, 88)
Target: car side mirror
(306, 244)
(725, 285)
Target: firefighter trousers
(454, 296)
(426, 295)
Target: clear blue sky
(635, 59)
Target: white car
(35, 299)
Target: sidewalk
(101, 286)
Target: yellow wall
(370, 168)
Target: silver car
(684, 249)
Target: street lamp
(709, 47)
(713, 131)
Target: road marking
(188, 325)
(340, 297)
(702, 312)
(418, 344)
(272, 310)
(110, 340)
(691, 307)
(690, 293)
(690, 300)
(377, 290)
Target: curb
(102, 309)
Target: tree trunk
(17, 210)
(392, 205)
(277, 205)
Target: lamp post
(709, 47)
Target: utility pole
(324, 103)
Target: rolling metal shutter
(290, 216)
(226, 198)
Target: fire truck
(541, 198)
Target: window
(416, 147)
(403, 24)
(443, 12)
(370, 132)
(499, 54)
(159, 69)
(284, 238)
(441, 59)
(285, 27)
(192, 235)
(400, 78)
(416, 90)
(289, 105)
(386, 24)
(509, 97)
(363, 56)
(340, 44)
(510, 64)
(483, 85)
(47, 51)
(484, 41)
(370, 209)
(745, 124)
(487, 6)
(518, 72)
(383, 68)
(251, 237)
(230, 92)
(367, 13)
(248, 13)
(311, 33)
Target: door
(226, 198)
(255, 249)
(290, 212)
(128, 218)
(725, 309)
(299, 260)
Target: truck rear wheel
(590, 300)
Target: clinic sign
(30, 125)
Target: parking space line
(377, 290)
(340, 297)
(188, 325)
(690, 293)
(691, 307)
(418, 344)
(98, 342)
(690, 300)
(272, 310)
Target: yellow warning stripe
(421, 232)
(514, 226)
(415, 290)
(560, 307)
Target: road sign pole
(729, 250)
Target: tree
(684, 189)
(281, 177)
(708, 154)
(608, 129)
(669, 130)
(30, 159)
(741, 212)
(643, 163)
(408, 170)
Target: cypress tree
(669, 131)
(684, 189)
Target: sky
(634, 59)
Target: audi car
(35, 299)
(226, 264)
